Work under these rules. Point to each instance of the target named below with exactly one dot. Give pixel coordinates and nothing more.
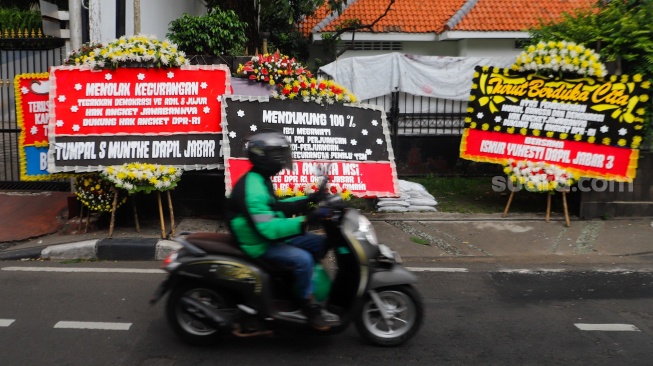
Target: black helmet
(269, 151)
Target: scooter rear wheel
(403, 304)
(187, 327)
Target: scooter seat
(216, 243)
(225, 243)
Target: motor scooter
(215, 289)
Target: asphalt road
(477, 314)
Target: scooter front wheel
(403, 309)
(187, 326)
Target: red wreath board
(33, 92)
(584, 159)
(363, 179)
(137, 100)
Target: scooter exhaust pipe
(205, 314)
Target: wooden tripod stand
(548, 206)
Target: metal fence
(22, 52)
(425, 133)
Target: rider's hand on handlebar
(321, 193)
(317, 196)
(317, 215)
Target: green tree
(620, 30)
(279, 18)
(216, 33)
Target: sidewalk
(417, 237)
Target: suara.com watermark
(502, 184)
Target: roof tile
(431, 16)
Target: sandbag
(421, 208)
(422, 202)
(393, 203)
(393, 209)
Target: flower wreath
(539, 176)
(275, 69)
(320, 91)
(139, 50)
(560, 57)
(293, 80)
(142, 177)
(299, 190)
(96, 193)
(84, 52)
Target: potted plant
(217, 36)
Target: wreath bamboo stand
(548, 206)
(138, 229)
(81, 217)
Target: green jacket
(257, 218)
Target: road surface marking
(83, 270)
(92, 325)
(535, 271)
(607, 327)
(436, 269)
(6, 322)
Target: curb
(134, 249)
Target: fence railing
(27, 52)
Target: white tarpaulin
(431, 76)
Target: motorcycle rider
(273, 229)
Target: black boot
(316, 316)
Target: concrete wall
(488, 47)
(601, 199)
(462, 48)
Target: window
(370, 46)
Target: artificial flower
(538, 176)
(96, 193)
(549, 58)
(139, 50)
(299, 190)
(142, 177)
(320, 91)
(274, 69)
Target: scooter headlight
(366, 231)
